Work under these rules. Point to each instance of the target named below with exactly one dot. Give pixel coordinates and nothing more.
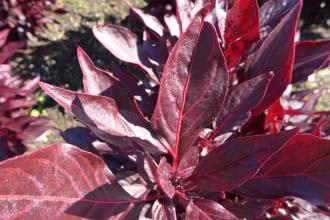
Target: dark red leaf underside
(242, 29)
(310, 56)
(301, 168)
(275, 54)
(124, 129)
(203, 209)
(235, 162)
(193, 87)
(60, 182)
(163, 209)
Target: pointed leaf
(272, 12)
(147, 167)
(100, 114)
(188, 162)
(242, 30)
(272, 57)
(123, 44)
(301, 169)
(203, 209)
(235, 162)
(32, 186)
(193, 87)
(239, 102)
(99, 82)
(310, 56)
(151, 22)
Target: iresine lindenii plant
(191, 135)
(17, 127)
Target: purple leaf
(123, 44)
(149, 21)
(99, 82)
(300, 169)
(3, 36)
(183, 10)
(272, 12)
(239, 103)
(203, 209)
(32, 186)
(193, 87)
(310, 56)
(230, 165)
(100, 114)
(279, 59)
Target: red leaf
(272, 57)
(193, 87)
(188, 162)
(164, 175)
(203, 209)
(123, 44)
(301, 169)
(121, 128)
(230, 165)
(242, 29)
(99, 82)
(310, 56)
(57, 182)
(239, 102)
(147, 167)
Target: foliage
(16, 126)
(26, 17)
(199, 137)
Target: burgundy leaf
(121, 128)
(239, 102)
(123, 44)
(272, 12)
(149, 21)
(32, 186)
(99, 82)
(242, 29)
(272, 57)
(203, 209)
(3, 36)
(300, 169)
(310, 56)
(9, 49)
(193, 87)
(163, 209)
(235, 162)
(164, 175)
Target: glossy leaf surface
(235, 162)
(306, 176)
(272, 57)
(90, 191)
(193, 88)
